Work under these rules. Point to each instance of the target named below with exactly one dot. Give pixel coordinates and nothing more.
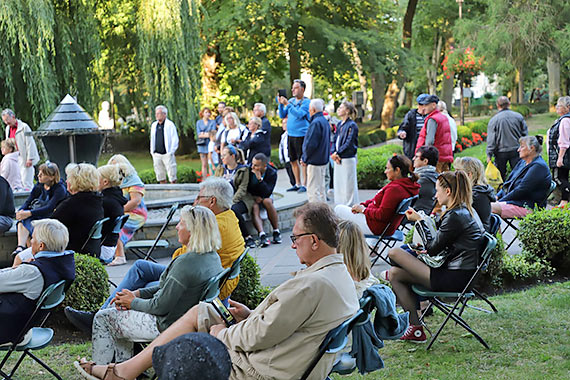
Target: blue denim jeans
(142, 274)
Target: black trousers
(501, 159)
(560, 176)
(290, 173)
(239, 209)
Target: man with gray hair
(442, 107)
(503, 133)
(316, 151)
(163, 145)
(216, 194)
(29, 156)
(257, 141)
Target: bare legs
(411, 271)
(23, 235)
(204, 161)
(133, 367)
(271, 214)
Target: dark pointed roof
(68, 118)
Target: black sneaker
(263, 241)
(293, 188)
(277, 237)
(250, 242)
(82, 320)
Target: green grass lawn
(143, 160)
(529, 339)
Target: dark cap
(424, 99)
(192, 356)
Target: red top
(12, 131)
(380, 210)
(442, 136)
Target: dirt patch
(64, 331)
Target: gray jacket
(504, 131)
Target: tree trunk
(521, 85)
(447, 85)
(461, 104)
(210, 64)
(402, 96)
(378, 82)
(293, 49)
(357, 63)
(390, 104)
(407, 28)
(553, 67)
(431, 71)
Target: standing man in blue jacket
(296, 110)
(316, 152)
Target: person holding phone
(296, 110)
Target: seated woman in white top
(9, 167)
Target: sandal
(86, 370)
(118, 260)
(18, 250)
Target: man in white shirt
(163, 145)
(442, 107)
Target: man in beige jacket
(282, 335)
(29, 156)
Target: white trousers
(27, 175)
(316, 191)
(163, 164)
(345, 213)
(344, 182)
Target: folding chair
(94, 233)
(234, 269)
(139, 246)
(118, 225)
(511, 221)
(389, 241)
(337, 338)
(41, 337)
(460, 298)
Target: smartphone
(224, 312)
(282, 92)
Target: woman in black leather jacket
(458, 239)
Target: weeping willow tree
(46, 47)
(170, 52)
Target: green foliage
(480, 109)
(546, 234)
(493, 275)
(249, 290)
(524, 268)
(364, 140)
(479, 126)
(90, 288)
(463, 131)
(522, 109)
(184, 174)
(275, 159)
(401, 111)
(371, 165)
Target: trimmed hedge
(371, 165)
(184, 174)
(401, 111)
(91, 287)
(249, 290)
(546, 234)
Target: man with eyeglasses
(216, 194)
(29, 156)
(280, 337)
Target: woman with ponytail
(458, 240)
(373, 215)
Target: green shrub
(522, 109)
(541, 106)
(524, 268)
(249, 290)
(546, 234)
(371, 165)
(463, 131)
(381, 135)
(184, 174)
(493, 275)
(390, 134)
(91, 287)
(479, 126)
(480, 109)
(364, 140)
(401, 111)
(275, 159)
(374, 138)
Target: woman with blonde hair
(483, 194)
(352, 245)
(9, 167)
(235, 131)
(458, 240)
(133, 190)
(110, 178)
(44, 197)
(82, 209)
(144, 313)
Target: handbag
(424, 232)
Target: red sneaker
(414, 334)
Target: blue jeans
(142, 274)
(5, 223)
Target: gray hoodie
(426, 200)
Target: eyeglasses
(295, 237)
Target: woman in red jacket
(375, 214)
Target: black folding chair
(212, 289)
(94, 234)
(234, 269)
(144, 248)
(118, 225)
(389, 241)
(510, 222)
(41, 337)
(337, 338)
(461, 299)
